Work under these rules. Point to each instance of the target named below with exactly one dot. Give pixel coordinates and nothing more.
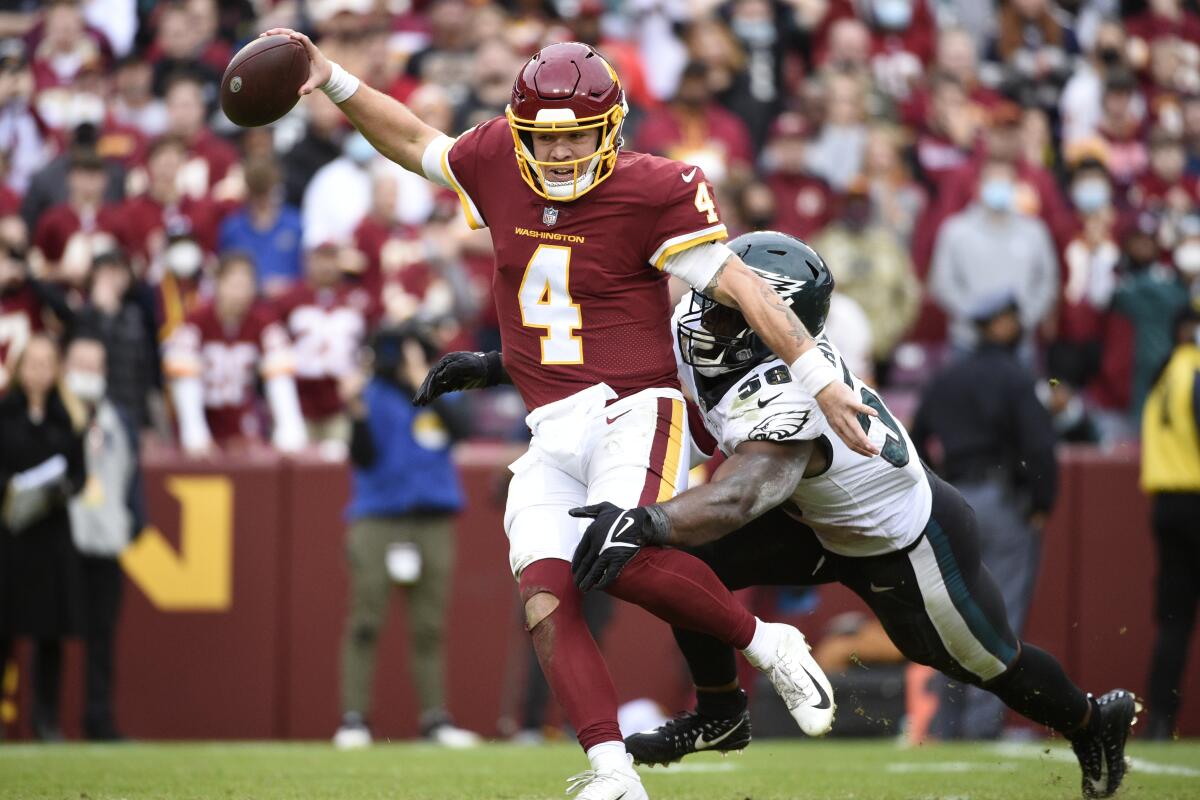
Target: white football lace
(789, 679)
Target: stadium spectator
(266, 228)
(21, 135)
(404, 496)
(210, 159)
(1165, 189)
(48, 186)
(949, 130)
(41, 467)
(872, 268)
(1034, 51)
(803, 200)
(67, 236)
(62, 46)
(1163, 18)
(145, 218)
(446, 61)
(991, 248)
(180, 284)
(133, 102)
(1186, 255)
(750, 77)
(588, 27)
(1079, 107)
(320, 144)
(182, 47)
(327, 319)
(27, 307)
(213, 362)
(902, 43)
(1091, 259)
(1171, 475)
(695, 129)
(105, 518)
(995, 440)
(896, 199)
(1122, 127)
(491, 86)
(836, 152)
(119, 315)
(956, 57)
(1149, 294)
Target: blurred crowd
(938, 153)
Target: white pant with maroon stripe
(631, 453)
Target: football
(262, 81)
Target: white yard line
(1019, 750)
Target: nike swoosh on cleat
(687, 176)
(762, 403)
(820, 690)
(704, 744)
(875, 588)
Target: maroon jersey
(60, 224)
(143, 222)
(20, 317)
(579, 288)
(803, 203)
(326, 326)
(228, 361)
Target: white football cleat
(608, 784)
(448, 735)
(352, 735)
(799, 681)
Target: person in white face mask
(105, 517)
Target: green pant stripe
(960, 596)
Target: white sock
(608, 755)
(762, 645)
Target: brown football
(262, 81)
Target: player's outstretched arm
(735, 285)
(758, 477)
(387, 123)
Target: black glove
(462, 370)
(614, 537)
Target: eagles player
(792, 505)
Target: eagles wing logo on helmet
(785, 286)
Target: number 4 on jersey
(704, 202)
(545, 300)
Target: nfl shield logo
(549, 216)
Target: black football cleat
(689, 733)
(1101, 751)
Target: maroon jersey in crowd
(803, 203)
(579, 288)
(327, 327)
(20, 318)
(143, 223)
(59, 224)
(228, 362)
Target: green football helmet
(716, 339)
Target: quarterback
(584, 237)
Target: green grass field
(770, 770)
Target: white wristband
(341, 84)
(814, 372)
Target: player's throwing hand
(319, 67)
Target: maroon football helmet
(567, 86)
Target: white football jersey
(858, 506)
